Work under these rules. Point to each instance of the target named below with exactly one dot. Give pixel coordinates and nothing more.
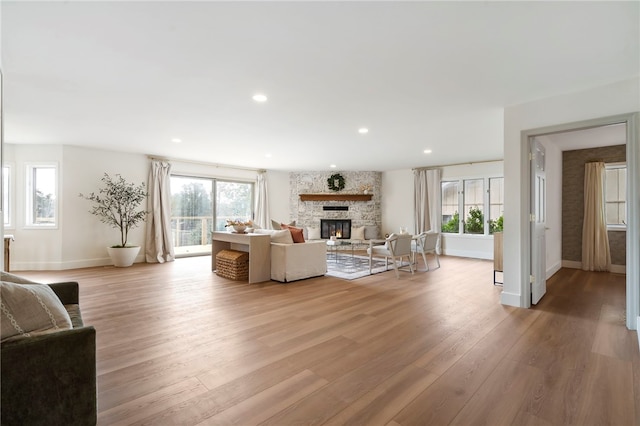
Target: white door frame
(632, 121)
(538, 218)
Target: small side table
(497, 256)
(7, 256)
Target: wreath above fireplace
(336, 182)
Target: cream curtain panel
(421, 202)
(262, 201)
(159, 244)
(596, 255)
(427, 205)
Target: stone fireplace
(308, 214)
(339, 228)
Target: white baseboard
(468, 253)
(552, 270)
(61, 266)
(617, 269)
(510, 299)
(571, 264)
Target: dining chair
(425, 243)
(396, 246)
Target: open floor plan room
(177, 344)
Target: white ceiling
(131, 76)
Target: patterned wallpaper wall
(309, 213)
(573, 202)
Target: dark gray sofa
(50, 379)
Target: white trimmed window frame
(461, 203)
(610, 166)
(30, 194)
(8, 196)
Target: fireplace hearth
(339, 228)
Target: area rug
(350, 267)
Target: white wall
(81, 239)
(553, 165)
(279, 189)
(84, 237)
(43, 247)
(396, 201)
(618, 98)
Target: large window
(616, 195)
(42, 196)
(201, 205)
(450, 207)
(474, 206)
(496, 204)
(6, 196)
(481, 202)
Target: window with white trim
(42, 195)
(615, 195)
(473, 196)
(496, 204)
(6, 196)
(481, 201)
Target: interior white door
(538, 222)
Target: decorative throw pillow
(277, 225)
(30, 309)
(296, 233)
(313, 233)
(371, 232)
(10, 278)
(357, 232)
(282, 236)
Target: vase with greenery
(117, 204)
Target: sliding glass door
(201, 205)
(234, 200)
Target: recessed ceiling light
(268, 155)
(333, 166)
(176, 140)
(259, 97)
(427, 151)
(363, 130)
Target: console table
(257, 245)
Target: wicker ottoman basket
(233, 264)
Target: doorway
(633, 216)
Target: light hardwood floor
(178, 345)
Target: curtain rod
(455, 164)
(204, 163)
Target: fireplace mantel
(335, 197)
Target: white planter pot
(123, 256)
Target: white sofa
(295, 261)
(290, 262)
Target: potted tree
(117, 204)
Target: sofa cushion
(357, 233)
(282, 236)
(30, 309)
(296, 233)
(313, 233)
(10, 278)
(276, 225)
(371, 232)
